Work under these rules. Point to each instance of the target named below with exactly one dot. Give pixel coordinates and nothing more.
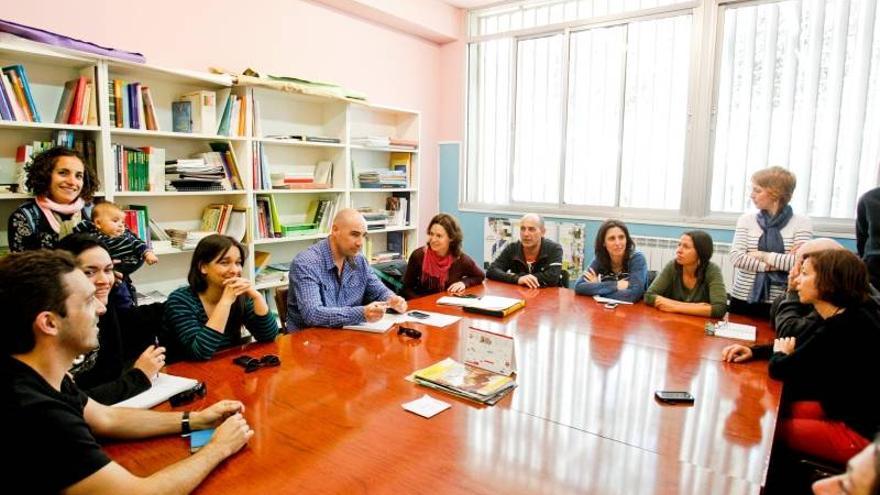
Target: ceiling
(470, 4)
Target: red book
(75, 117)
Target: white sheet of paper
(438, 320)
(605, 300)
(737, 331)
(456, 301)
(163, 388)
(380, 326)
(496, 303)
(426, 406)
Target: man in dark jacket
(533, 261)
(868, 233)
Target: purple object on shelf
(51, 38)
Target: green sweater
(710, 290)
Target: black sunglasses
(409, 332)
(251, 364)
(187, 396)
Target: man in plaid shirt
(331, 283)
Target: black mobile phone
(419, 315)
(674, 397)
(469, 296)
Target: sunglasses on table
(187, 396)
(409, 332)
(251, 364)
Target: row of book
(317, 219)
(131, 106)
(241, 116)
(79, 104)
(397, 176)
(225, 219)
(16, 99)
(139, 169)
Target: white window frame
(703, 95)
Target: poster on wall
(497, 232)
(571, 237)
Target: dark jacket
(123, 334)
(463, 269)
(511, 264)
(791, 318)
(835, 362)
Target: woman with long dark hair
(618, 271)
(690, 284)
(209, 313)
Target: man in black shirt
(51, 315)
(533, 261)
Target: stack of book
(464, 381)
(403, 144)
(16, 100)
(186, 239)
(376, 220)
(382, 179)
(372, 141)
(78, 103)
(195, 174)
(131, 106)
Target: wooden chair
(281, 304)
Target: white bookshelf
(281, 114)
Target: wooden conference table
(583, 419)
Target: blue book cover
(181, 116)
(223, 130)
(22, 75)
(5, 107)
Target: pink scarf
(435, 267)
(50, 208)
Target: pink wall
(452, 91)
(294, 37)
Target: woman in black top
(107, 374)
(62, 183)
(836, 413)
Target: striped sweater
(185, 319)
(127, 248)
(745, 240)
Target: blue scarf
(771, 242)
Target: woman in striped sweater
(765, 243)
(208, 314)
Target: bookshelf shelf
(268, 112)
(119, 131)
(383, 149)
(50, 126)
(271, 285)
(284, 240)
(299, 191)
(175, 194)
(302, 144)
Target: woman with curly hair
(62, 183)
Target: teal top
(185, 319)
(710, 290)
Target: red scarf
(436, 268)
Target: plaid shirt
(319, 297)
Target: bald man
(331, 283)
(788, 316)
(532, 261)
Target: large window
(799, 87)
(608, 104)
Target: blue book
(199, 439)
(223, 130)
(5, 106)
(22, 76)
(181, 116)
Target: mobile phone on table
(419, 315)
(242, 360)
(674, 396)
